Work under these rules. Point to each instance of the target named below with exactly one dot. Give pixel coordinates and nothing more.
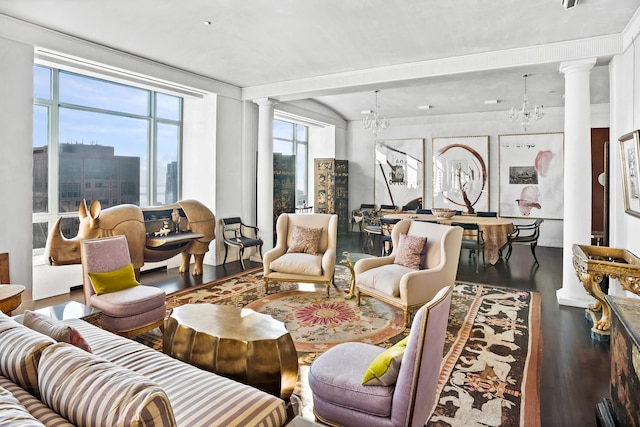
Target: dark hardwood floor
(575, 369)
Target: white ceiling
(280, 43)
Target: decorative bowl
(443, 213)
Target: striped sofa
(122, 383)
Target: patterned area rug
(491, 368)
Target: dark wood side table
(622, 408)
(10, 297)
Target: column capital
(265, 102)
(569, 67)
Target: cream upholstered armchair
(390, 279)
(296, 259)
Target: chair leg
(407, 316)
(260, 249)
(506, 259)
(242, 258)
(226, 249)
(533, 251)
(266, 286)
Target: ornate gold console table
(592, 263)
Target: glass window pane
(41, 82)
(283, 147)
(95, 93)
(167, 106)
(301, 133)
(40, 158)
(301, 175)
(168, 137)
(282, 130)
(102, 157)
(40, 232)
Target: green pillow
(112, 281)
(385, 367)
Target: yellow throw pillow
(385, 367)
(112, 281)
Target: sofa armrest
(368, 263)
(423, 285)
(329, 262)
(271, 255)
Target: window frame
(296, 143)
(53, 106)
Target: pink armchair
(405, 287)
(127, 312)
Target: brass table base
(249, 347)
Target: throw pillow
(112, 281)
(410, 252)
(20, 350)
(55, 329)
(305, 240)
(385, 368)
(90, 391)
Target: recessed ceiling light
(491, 101)
(424, 107)
(366, 112)
(207, 22)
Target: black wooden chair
(358, 215)
(526, 234)
(423, 211)
(386, 225)
(241, 236)
(472, 239)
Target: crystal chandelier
(375, 123)
(525, 113)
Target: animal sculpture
(129, 220)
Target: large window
(95, 139)
(293, 139)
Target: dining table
(495, 230)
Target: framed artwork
(461, 173)
(399, 172)
(629, 151)
(532, 175)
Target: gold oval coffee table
(241, 344)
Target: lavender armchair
(335, 377)
(128, 312)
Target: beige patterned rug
(491, 368)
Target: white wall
(16, 143)
(625, 117)
(361, 151)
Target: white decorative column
(264, 193)
(577, 176)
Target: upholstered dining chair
(109, 283)
(239, 235)
(526, 234)
(305, 250)
(405, 278)
(386, 227)
(336, 376)
(358, 215)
